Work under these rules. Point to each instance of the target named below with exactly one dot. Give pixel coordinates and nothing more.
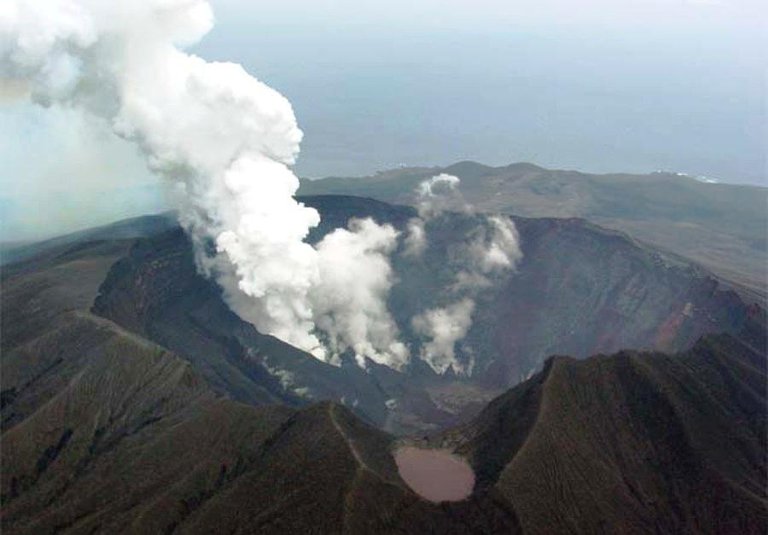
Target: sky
(632, 85)
(485, 14)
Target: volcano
(134, 399)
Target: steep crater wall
(579, 290)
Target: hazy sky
(597, 85)
(484, 14)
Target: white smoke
(492, 249)
(444, 327)
(438, 194)
(12, 90)
(433, 197)
(416, 238)
(350, 300)
(497, 248)
(226, 140)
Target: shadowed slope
(578, 290)
(721, 226)
(106, 431)
(633, 442)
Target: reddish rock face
(436, 475)
(579, 290)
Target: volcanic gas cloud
(225, 141)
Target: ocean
(596, 101)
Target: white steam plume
(350, 301)
(444, 327)
(438, 194)
(416, 239)
(497, 248)
(433, 196)
(226, 140)
(493, 249)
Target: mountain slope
(578, 290)
(105, 431)
(633, 442)
(127, 229)
(718, 225)
(133, 440)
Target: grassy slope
(632, 442)
(105, 431)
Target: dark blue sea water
(599, 101)
(667, 96)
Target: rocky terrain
(578, 290)
(719, 226)
(106, 431)
(134, 400)
(632, 442)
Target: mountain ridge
(579, 290)
(249, 455)
(105, 429)
(720, 226)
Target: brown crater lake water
(436, 475)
